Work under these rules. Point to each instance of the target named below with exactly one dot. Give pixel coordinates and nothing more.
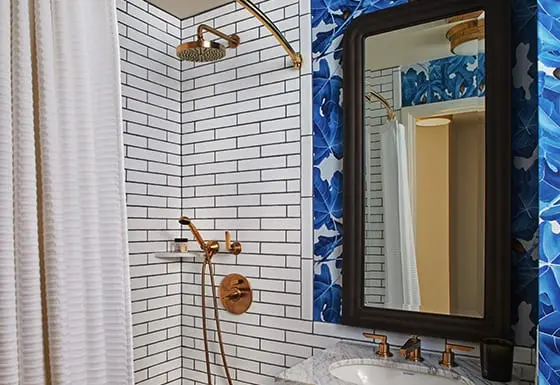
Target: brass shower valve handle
(233, 247)
(237, 292)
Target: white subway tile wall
(375, 118)
(244, 138)
(152, 133)
(230, 144)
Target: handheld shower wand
(210, 249)
(187, 222)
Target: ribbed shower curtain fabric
(21, 331)
(401, 273)
(65, 314)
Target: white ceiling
(187, 8)
(407, 46)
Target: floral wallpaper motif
(449, 78)
(524, 226)
(330, 18)
(549, 191)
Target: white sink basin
(379, 375)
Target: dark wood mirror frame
(496, 321)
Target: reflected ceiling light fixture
(467, 37)
(434, 121)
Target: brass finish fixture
(412, 349)
(187, 222)
(448, 357)
(384, 349)
(466, 31)
(210, 249)
(233, 40)
(372, 95)
(236, 293)
(297, 59)
(203, 50)
(233, 247)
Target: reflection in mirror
(424, 109)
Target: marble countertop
(315, 370)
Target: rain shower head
(206, 51)
(201, 51)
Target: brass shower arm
(233, 40)
(372, 94)
(261, 16)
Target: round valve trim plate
(236, 294)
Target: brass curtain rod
(261, 16)
(372, 94)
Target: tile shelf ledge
(173, 255)
(197, 255)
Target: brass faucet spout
(412, 349)
(411, 344)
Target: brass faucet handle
(384, 349)
(448, 356)
(233, 247)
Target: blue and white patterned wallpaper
(440, 80)
(549, 191)
(330, 18)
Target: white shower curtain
(65, 314)
(402, 286)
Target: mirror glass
(424, 109)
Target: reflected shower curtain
(65, 314)
(402, 287)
